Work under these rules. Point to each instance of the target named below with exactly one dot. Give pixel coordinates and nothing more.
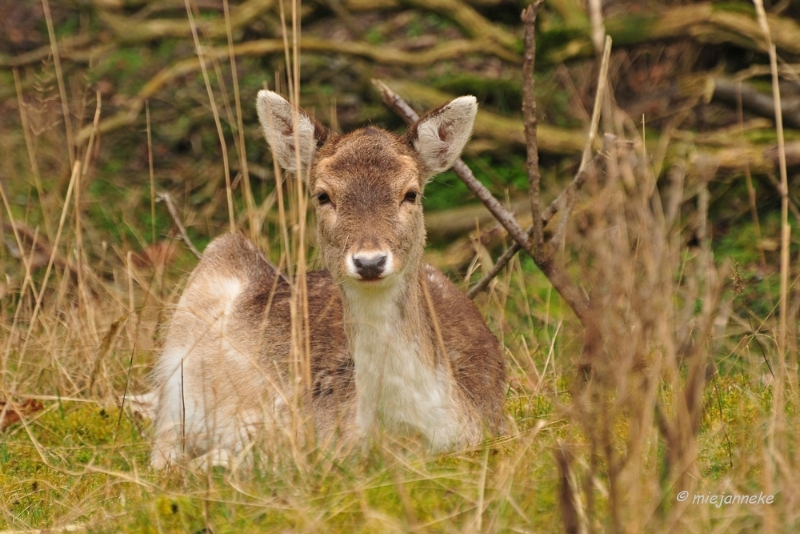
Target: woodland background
(108, 118)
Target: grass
(81, 461)
(669, 315)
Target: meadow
(651, 353)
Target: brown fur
(231, 333)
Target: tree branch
(503, 216)
(560, 203)
(532, 145)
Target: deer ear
(276, 116)
(440, 135)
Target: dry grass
(675, 391)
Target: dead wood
(471, 22)
(381, 55)
(506, 130)
(727, 153)
(792, 151)
(531, 122)
(68, 47)
(130, 31)
(703, 22)
(381, 5)
(559, 204)
(753, 100)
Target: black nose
(370, 267)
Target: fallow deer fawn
(394, 343)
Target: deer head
(367, 185)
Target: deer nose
(370, 266)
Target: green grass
(83, 461)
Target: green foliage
(448, 191)
(501, 93)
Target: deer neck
(402, 379)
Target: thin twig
(532, 144)
(556, 205)
(167, 199)
(570, 293)
(503, 216)
(565, 287)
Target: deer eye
(411, 197)
(323, 198)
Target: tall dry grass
(673, 392)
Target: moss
(745, 8)
(45, 467)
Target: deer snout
(369, 265)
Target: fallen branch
(729, 155)
(704, 22)
(503, 216)
(382, 55)
(381, 5)
(129, 31)
(762, 104)
(66, 46)
(506, 130)
(472, 22)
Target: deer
(394, 345)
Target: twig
(565, 287)
(569, 503)
(503, 216)
(556, 205)
(532, 144)
(167, 199)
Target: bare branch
(560, 203)
(529, 111)
(503, 216)
(577, 301)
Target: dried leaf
(11, 412)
